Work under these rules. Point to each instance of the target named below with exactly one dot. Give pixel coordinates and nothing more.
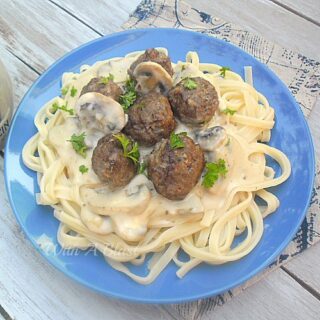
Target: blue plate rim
(150, 300)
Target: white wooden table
(33, 34)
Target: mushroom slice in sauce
(211, 138)
(100, 113)
(133, 199)
(150, 76)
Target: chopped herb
(175, 140)
(183, 67)
(83, 169)
(130, 149)
(105, 80)
(189, 84)
(73, 91)
(64, 91)
(56, 107)
(79, 144)
(223, 71)
(142, 167)
(129, 97)
(229, 111)
(213, 172)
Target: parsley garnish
(229, 111)
(213, 172)
(56, 107)
(73, 91)
(105, 80)
(223, 71)
(175, 140)
(142, 167)
(64, 91)
(129, 97)
(130, 150)
(83, 169)
(189, 84)
(79, 144)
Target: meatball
(154, 56)
(109, 163)
(174, 172)
(103, 86)
(194, 100)
(150, 119)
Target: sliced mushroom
(150, 76)
(100, 113)
(133, 199)
(94, 222)
(211, 138)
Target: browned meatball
(194, 100)
(109, 163)
(103, 86)
(174, 172)
(150, 119)
(154, 56)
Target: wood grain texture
(271, 21)
(310, 9)
(306, 267)
(276, 297)
(39, 32)
(32, 289)
(100, 15)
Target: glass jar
(6, 103)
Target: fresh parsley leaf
(229, 111)
(105, 80)
(223, 71)
(214, 170)
(189, 84)
(129, 97)
(56, 107)
(83, 169)
(78, 144)
(73, 91)
(64, 91)
(130, 149)
(142, 167)
(175, 140)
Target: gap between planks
(292, 10)
(4, 314)
(75, 17)
(302, 283)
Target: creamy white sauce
(126, 211)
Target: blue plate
(291, 135)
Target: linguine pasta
(126, 225)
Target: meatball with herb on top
(194, 100)
(175, 166)
(103, 85)
(150, 119)
(115, 159)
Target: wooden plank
(39, 32)
(276, 297)
(21, 75)
(309, 9)
(306, 267)
(103, 16)
(269, 20)
(31, 289)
